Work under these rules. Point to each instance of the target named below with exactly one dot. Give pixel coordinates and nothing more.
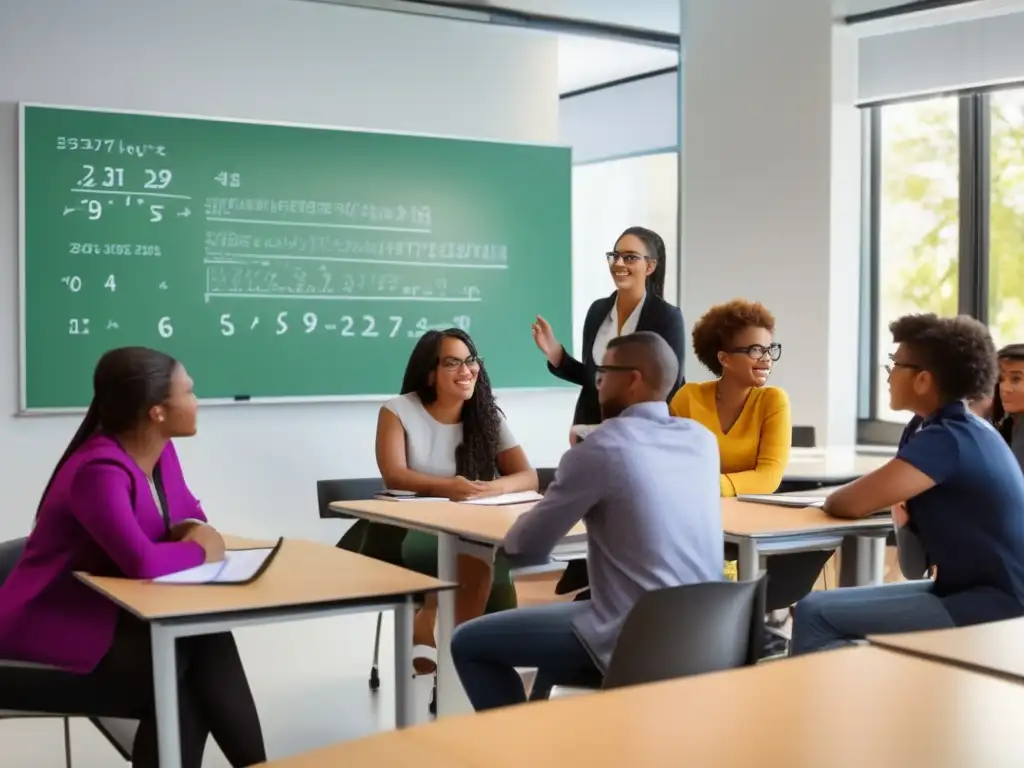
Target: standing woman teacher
(637, 265)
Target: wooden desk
(758, 529)
(450, 522)
(994, 648)
(305, 580)
(896, 711)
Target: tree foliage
(920, 211)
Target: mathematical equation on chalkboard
(269, 248)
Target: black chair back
(544, 477)
(10, 553)
(376, 540)
(355, 489)
(804, 437)
(689, 630)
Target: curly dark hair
(957, 351)
(715, 331)
(656, 252)
(476, 456)
(997, 414)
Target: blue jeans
(834, 618)
(487, 650)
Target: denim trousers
(837, 617)
(487, 651)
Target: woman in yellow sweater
(752, 421)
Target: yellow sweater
(755, 452)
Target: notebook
(522, 497)
(393, 495)
(783, 501)
(239, 566)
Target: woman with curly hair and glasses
(752, 422)
(444, 435)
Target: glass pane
(919, 220)
(1006, 233)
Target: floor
(306, 700)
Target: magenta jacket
(99, 517)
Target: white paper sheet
(522, 497)
(238, 566)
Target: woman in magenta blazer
(117, 505)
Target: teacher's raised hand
(546, 342)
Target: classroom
(842, 162)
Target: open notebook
(239, 566)
(522, 497)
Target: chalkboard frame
(24, 410)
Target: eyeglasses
(454, 363)
(894, 364)
(758, 351)
(627, 257)
(603, 369)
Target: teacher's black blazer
(657, 315)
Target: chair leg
(67, 742)
(374, 674)
(433, 698)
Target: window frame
(974, 123)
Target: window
(918, 223)
(1006, 217)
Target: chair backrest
(10, 554)
(689, 630)
(544, 477)
(804, 437)
(354, 489)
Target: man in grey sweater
(647, 487)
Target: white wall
(255, 467)
(629, 119)
(769, 190)
(606, 199)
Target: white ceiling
(588, 61)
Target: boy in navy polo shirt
(954, 483)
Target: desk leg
(862, 561)
(451, 698)
(165, 696)
(748, 564)
(405, 713)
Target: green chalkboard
(280, 261)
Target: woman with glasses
(752, 421)
(444, 435)
(1007, 404)
(637, 267)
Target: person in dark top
(637, 266)
(954, 484)
(1008, 400)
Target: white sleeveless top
(429, 444)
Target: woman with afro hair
(752, 421)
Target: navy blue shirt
(971, 523)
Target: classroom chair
(689, 630)
(544, 477)
(120, 733)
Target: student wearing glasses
(444, 435)
(637, 267)
(954, 485)
(751, 421)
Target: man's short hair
(957, 351)
(650, 354)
